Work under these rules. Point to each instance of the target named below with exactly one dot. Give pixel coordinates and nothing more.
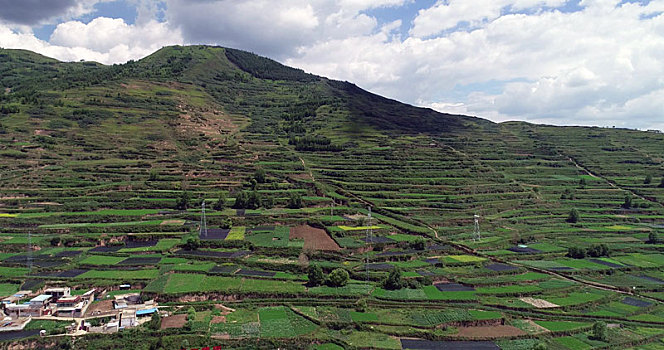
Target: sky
(562, 62)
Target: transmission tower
(203, 232)
(29, 257)
(368, 239)
(476, 229)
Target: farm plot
(140, 261)
(314, 238)
(484, 332)
(101, 260)
(174, 321)
(563, 326)
(120, 274)
(572, 343)
(236, 233)
(417, 344)
(280, 322)
(178, 283)
(277, 238)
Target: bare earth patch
(489, 332)
(174, 321)
(314, 238)
(536, 328)
(539, 303)
(218, 319)
(100, 308)
(172, 222)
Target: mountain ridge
(196, 64)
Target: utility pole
(368, 239)
(477, 236)
(203, 231)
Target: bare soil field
(314, 238)
(100, 308)
(539, 303)
(174, 321)
(218, 319)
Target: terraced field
(104, 175)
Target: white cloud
(447, 15)
(103, 40)
(274, 28)
(587, 67)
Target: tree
(338, 278)
(295, 201)
(253, 200)
(628, 201)
(192, 244)
(661, 184)
(253, 184)
(191, 316)
(598, 250)
(183, 201)
(226, 223)
(653, 238)
(393, 280)
(576, 252)
(221, 202)
(154, 176)
(268, 202)
(419, 244)
(648, 179)
(600, 331)
(316, 276)
(573, 216)
(259, 175)
(155, 322)
(582, 182)
(55, 241)
(361, 305)
(240, 200)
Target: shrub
(653, 238)
(183, 201)
(295, 201)
(600, 331)
(221, 202)
(316, 277)
(576, 253)
(598, 250)
(394, 280)
(226, 223)
(259, 175)
(240, 200)
(253, 200)
(192, 244)
(338, 278)
(573, 216)
(627, 204)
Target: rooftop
(146, 311)
(40, 298)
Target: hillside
(104, 170)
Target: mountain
(104, 172)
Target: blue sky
(576, 62)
